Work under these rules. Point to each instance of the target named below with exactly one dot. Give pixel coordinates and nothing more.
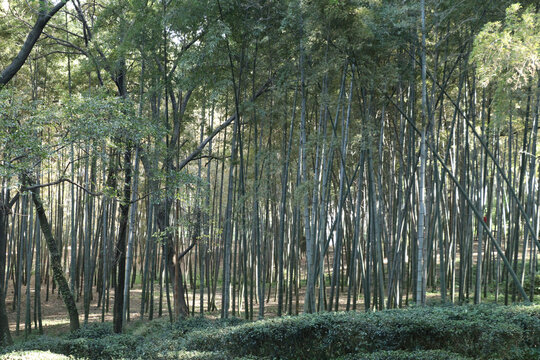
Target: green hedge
(405, 355)
(475, 331)
(432, 333)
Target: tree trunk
(120, 256)
(129, 258)
(5, 335)
(56, 265)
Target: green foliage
(43, 343)
(21, 123)
(465, 330)
(509, 52)
(98, 117)
(92, 331)
(108, 347)
(406, 355)
(507, 57)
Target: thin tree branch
(217, 130)
(61, 180)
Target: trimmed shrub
(404, 355)
(108, 347)
(92, 331)
(44, 343)
(473, 331)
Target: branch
(9, 72)
(217, 130)
(61, 180)
(140, 198)
(65, 43)
(37, 57)
(210, 158)
(180, 256)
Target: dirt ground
(55, 318)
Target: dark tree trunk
(56, 259)
(5, 336)
(120, 255)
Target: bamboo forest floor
(55, 319)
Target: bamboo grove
(260, 158)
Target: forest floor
(55, 319)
